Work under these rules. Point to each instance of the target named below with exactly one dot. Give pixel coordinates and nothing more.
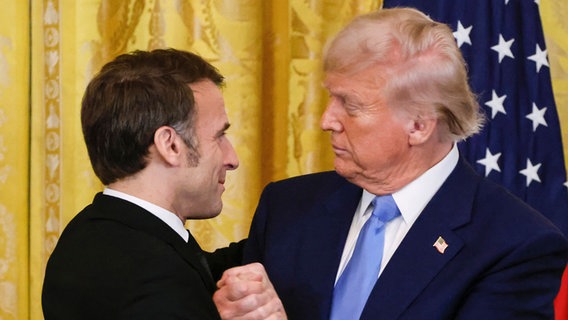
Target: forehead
(364, 85)
(206, 90)
(369, 77)
(209, 103)
(207, 96)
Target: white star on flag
(537, 116)
(531, 172)
(504, 48)
(540, 58)
(490, 162)
(496, 104)
(462, 34)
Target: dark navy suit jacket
(504, 260)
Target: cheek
(378, 142)
(209, 160)
(364, 134)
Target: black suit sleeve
(225, 258)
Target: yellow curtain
(269, 51)
(14, 160)
(554, 14)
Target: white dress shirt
(411, 200)
(170, 218)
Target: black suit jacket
(504, 259)
(116, 260)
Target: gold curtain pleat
(270, 53)
(14, 160)
(554, 15)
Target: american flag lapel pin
(440, 245)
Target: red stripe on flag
(561, 301)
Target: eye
(351, 107)
(221, 135)
(222, 132)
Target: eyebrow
(224, 128)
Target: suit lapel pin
(440, 245)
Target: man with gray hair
(403, 228)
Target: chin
(216, 211)
(205, 215)
(351, 174)
(344, 171)
(208, 213)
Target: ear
(421, 130)
(169, 145)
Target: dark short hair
(130, 98)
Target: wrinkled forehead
(374, 75)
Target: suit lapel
(125, 212)
(196, 255)
(327, 230)
(416, 261)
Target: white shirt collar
(170, 218)
(414, 197)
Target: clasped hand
(245, 292)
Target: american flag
(440, 245)
(520, 146)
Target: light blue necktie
(358, 279)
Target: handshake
(245, 292)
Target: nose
(329, 120)
(231, 158)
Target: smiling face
(369, 138)
(203, 183)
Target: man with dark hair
(154, 124)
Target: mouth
(337, 150)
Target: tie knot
(384, 208)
